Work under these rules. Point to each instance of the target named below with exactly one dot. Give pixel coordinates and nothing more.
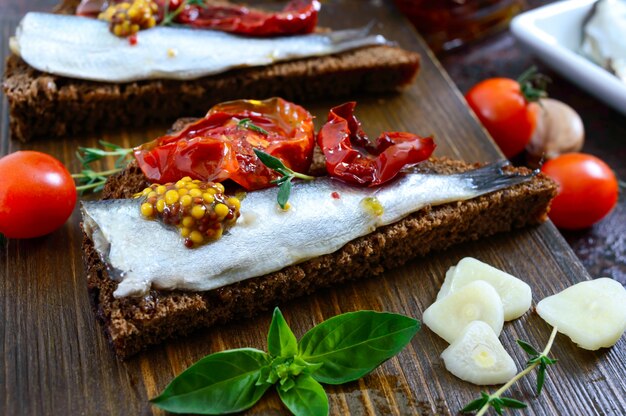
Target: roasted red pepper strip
(353, 158)
(299, 16)
(219, 146)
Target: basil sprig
(339, 350)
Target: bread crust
(133, 324)
(46, 105)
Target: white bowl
(554, 33)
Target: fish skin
(142, 254)
(83, 48)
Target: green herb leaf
(281, 342)
(512, 403)
(541, 377)
(246, 123)
(90, 180)
(270, 161)
(476, 404)
(224, 382)
(496, 403)
(353, 344)
(309, 368)
(306, 397)
(284, 190)
(284, 182)
(530, 350)
(234, 380)
(548, 360)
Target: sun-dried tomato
(221, 145)
(353, 158)
(298, 17)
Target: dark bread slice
(132, 324)
(45, 105)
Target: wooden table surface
(54, 358)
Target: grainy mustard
(127, 18)
(201, 211)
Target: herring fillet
(143, 254)
(83, 48)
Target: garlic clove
(559, 130)
(477, 301)
(591, 313)
(516, 295)
(478, 356)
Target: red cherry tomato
(587, 190)
(504, 111)
(37, 194)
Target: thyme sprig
(287, 175)
(170, 15)
(495, 400)
(246, 123)
(91, 180)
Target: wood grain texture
(54, 358)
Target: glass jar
(446, 24)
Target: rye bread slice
(132, 324)
(46, 105)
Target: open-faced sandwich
(220, 219)
(138, 62)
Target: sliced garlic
(478, 356)
(477, 301)
(515, 294)
(592, 313)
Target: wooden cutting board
(55, 358)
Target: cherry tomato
(587, 190)
(505, 112)
(37, 194)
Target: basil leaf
(306, 397)
(281, 342)
(353, 344)
(223, 382)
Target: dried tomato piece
(299, 16)
(353, 158)
(221, 145)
